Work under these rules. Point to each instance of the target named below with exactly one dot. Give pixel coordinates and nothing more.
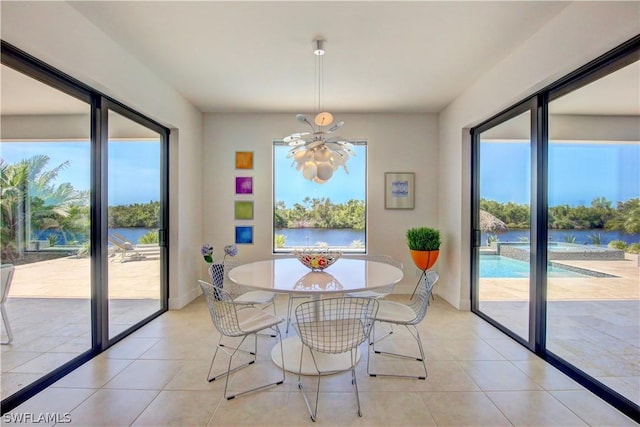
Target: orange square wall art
(244, 159)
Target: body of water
(344, 237)
(582, 237)
(311, 236)
(132, 235)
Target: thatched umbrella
(491, 224)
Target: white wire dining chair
(333, 326)
(241, 294)
(408, 315)
(379, 292)
(290, 304)
(234, 320)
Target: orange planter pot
(424, 260)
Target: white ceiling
(381, 56)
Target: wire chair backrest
(232, 288)
(421, 302)
(7, 276)
(335, 325)
(222, 309)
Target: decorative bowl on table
(317, 260)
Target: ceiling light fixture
(318, 154)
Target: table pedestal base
(326, 362)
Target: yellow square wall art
(244, 159)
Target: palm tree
(22, 183)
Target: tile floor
(58, 333)
(477, 376)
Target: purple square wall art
(244, 185)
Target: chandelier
(318, 154)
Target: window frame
(345, 250)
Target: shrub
(150, 238)
(634, 248)
(356, 244)
(279, 240)
(596, 238)
(618, 244)
(85, 250)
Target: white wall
(55, 33)
(397, 143)
(578, 34)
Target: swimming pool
(560, 251)
(496, 266)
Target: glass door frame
(538, 208)
(101, 218)
(100, 104)
(619, 57)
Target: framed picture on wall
(399, 190)
(244, 159)
(244, 209)
(244, 185)
(244, 234)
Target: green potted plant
(424, 245)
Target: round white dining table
(290, 276)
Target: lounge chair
(129, 251)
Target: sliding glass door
(503, 251)
(83, 209)
(45, 183)
(593, 308)
(134, 215)
(556, 190)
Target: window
(308, 214)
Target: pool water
(566, 247)
(500, 266)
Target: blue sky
(577, 172)
(134, 166)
